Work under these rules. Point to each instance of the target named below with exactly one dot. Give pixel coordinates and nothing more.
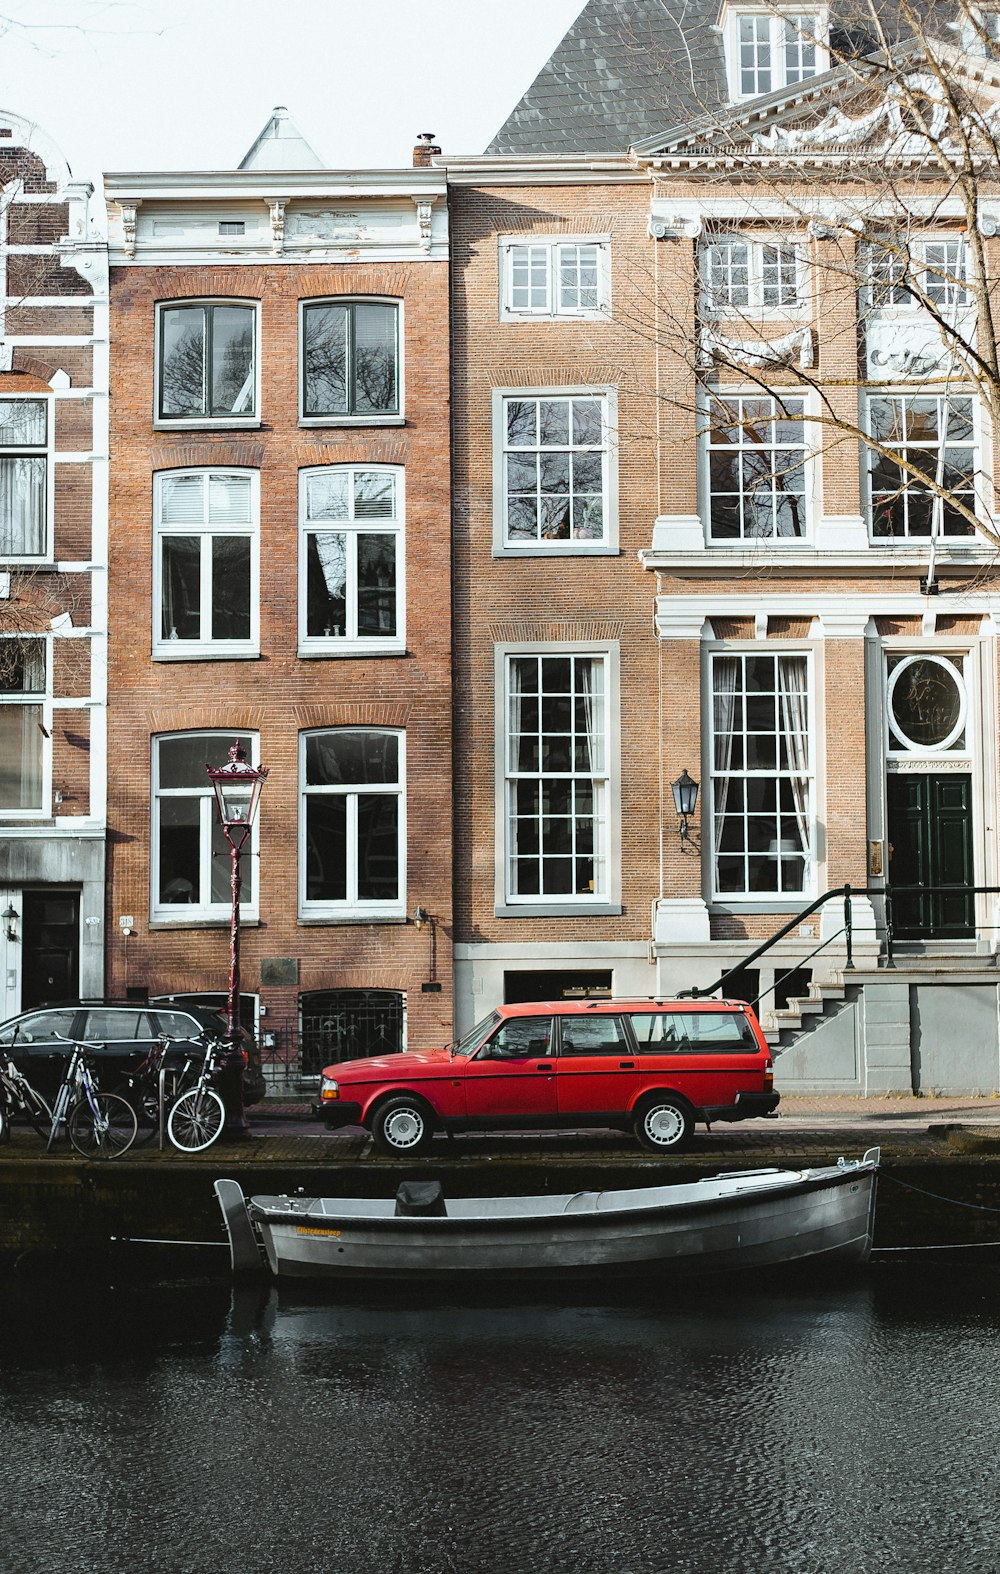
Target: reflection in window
(191, 862)
(351, 535)
(352, 821)
(756, 468)
(761, 774)
(555, 469)
(207, 361)
(350, 359)
(931, 464)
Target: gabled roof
(833, 113)
(281, 145)
(628, 68)
(624, 69)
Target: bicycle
(17, 1094)
(99, 1125)
(198, 1116)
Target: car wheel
(402, 1125)
(664, 1124)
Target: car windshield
(472, 1040)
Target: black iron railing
(888, 894)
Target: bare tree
(851, 258)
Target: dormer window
(771, 47)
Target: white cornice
(244, 185)
(839, 614)
(771, 558)
(551, 169)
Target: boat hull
(814, 1216)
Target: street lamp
(237, 787)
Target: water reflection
(817, 1429)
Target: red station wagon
(655, 1066)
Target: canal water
(182, 1427)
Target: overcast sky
(188, 84)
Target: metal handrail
(843, 893)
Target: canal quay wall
(938, 1187)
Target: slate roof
(628, 68)
(625, 69)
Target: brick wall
(278, 695)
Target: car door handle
(543, 1068)
(626, 1065)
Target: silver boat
(744, 1219)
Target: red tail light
(769, 1074)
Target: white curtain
(725, 672)
(22, 507)
(795, 728)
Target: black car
(126, 1030)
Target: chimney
(423, 149)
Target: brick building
(53, 573)
(280, 574)
(724, 504)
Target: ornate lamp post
(237, 788)
(685, 791)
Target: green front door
(930, 844)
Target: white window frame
(42, 700)
(777, 17)
(199, 914)
(811, 462)
(607, 545)
(917, 248)
(756, 245)
(44, 451)
(353, 644)
(231, 419)
(548, 249)
(982, 483)
(762, 900)
(165, 649)
(352, 909)
(509, 904)
(373, 418)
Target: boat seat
(420, 1198)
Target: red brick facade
(279, 695)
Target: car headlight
(328, 1089)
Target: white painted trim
(206, 649)
(200, 914)
(609, 545)
(603, 903)
(370, 645)
(554, 313)
(354, 911)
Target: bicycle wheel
(104, 1133)
(36, 1111)
(4, 1121)
(196, 1120)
